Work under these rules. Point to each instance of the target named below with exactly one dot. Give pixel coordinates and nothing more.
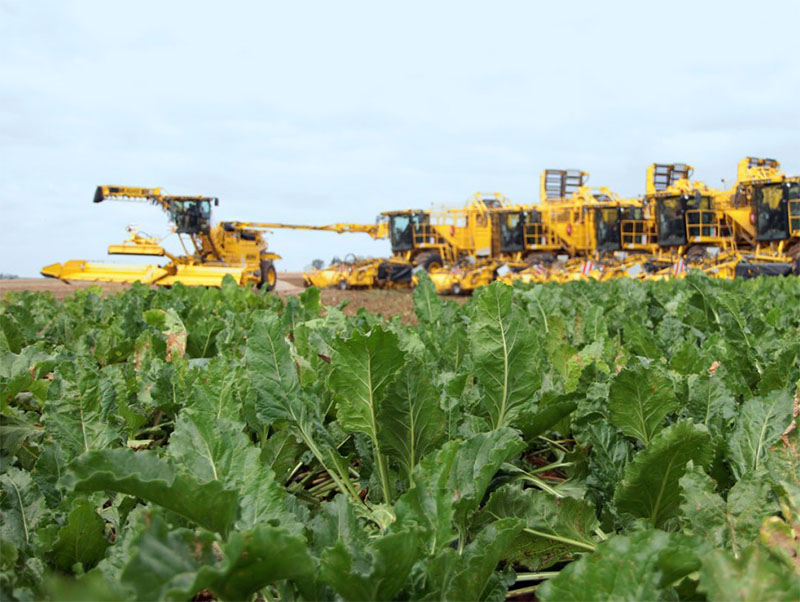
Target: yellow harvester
(225, 249)
(420, 239)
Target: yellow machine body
(228, 248)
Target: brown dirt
(59, 289)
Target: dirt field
(385, 302)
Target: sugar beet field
(581, 441)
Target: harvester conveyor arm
(379, 230)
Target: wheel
(269, 277)
(429, 260)
(696, 254)
(342, 285)
(456, 290)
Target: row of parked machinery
(574, 232)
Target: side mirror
(216, 202)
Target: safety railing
(636, 233)
(539, 236)
(794, 217)
(704, 225)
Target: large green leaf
(21, 507)
(555, 528)
(427, 304)
(217, 450)
(74, 414)
(504, 353)
(754, 575)
(639, 400)
(145, 475)
(376, 571)
(471, 575)
(710, 403)
(450, 485)
(411, 423)
(731, 523)
(649, 488)
(538, 422)
(256, 558)
(363, 368)
(278, 396)
(82, 539)
(271, 370)
(759, 423)
(641, 566)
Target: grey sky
(322, 112)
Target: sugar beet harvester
(237, 249)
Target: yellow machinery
(225, 249)
(596, 233)
(426, 239)
(764, 205)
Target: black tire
(269, 277)
(342, 285)
(542, 257)
(456, 290)
(429, 260)
(696, 254)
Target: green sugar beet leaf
(471, 575)
(217, 450)
(75, 415)
(254, 559)
(21, 507)
(754, 575)
(504, 354)
(555, 528)
(82, 539)
(710, 403)
(411, 423)
(363, 368)
(639, 400)
(376, 571)
(428, 306)
(649, 488)
(271, 370)
(759, 423)
(145, 475)
(640, 566)
(450, 485)
(732, 523)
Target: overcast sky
(321, 112)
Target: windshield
(772, 202)
(190, 216)
(512, 232)
(401, 230)
(607, 229)
(794, 207)
(695, 220)
(671, 229)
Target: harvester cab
(773, 200)
(586, 220)
(686, 212)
